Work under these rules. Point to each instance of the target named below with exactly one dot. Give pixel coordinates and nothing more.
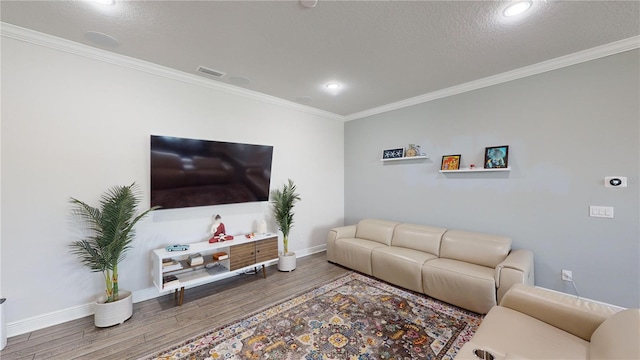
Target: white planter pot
(287, 262)
(113, 313)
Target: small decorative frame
(393, 153)
(496, 157)
(450, 162)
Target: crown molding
(545, 66)
(56, 43)
(45, 40)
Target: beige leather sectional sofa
(533, 323)
(469, 270)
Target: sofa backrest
(476, 248)
(568, 313)
(376, 230)
(418, 237)
(617, 337)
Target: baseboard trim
(311, 251)
(45, 320)
(61, 316)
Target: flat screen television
(190, 172)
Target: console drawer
(242, 255)
(266, 250)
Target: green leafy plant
(112, 233)
(283, 201)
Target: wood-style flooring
(159, 323)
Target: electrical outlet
(567, 275)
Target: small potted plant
(111, 228)
(283, 201)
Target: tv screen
(190, 172)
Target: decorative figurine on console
(218, 231)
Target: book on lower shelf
(171, 265)
(170, 280)
(220, 256)
(195, 259)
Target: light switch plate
(601, 211)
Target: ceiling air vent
(210, 72)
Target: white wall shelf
(405, 158)
(468, 170)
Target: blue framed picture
(496, 157)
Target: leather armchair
(534, 323)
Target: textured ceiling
(383, 51)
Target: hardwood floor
(159, 323)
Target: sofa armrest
(568, 313)
(517, 268)
(338, 233)
(348, 231)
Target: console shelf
(243, 254)
(468, 170)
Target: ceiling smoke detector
(102, 39)
(239, 80)
(309, 3)
(210, 72)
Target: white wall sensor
(615, 181)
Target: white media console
(244, 253)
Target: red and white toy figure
(218, 231)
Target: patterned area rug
(354, 317)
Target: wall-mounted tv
(190, 172)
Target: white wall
(74, 126)
(567, 129)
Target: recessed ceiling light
(333, 87)
(516, 8)
(106, 2)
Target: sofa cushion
(476, 248)
(380, 231)
(515, 335)
(400, 266)
(618, 337)
(355, 253)
(418, 237)
(460, 283)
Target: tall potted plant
(283, 201)
(111, 228)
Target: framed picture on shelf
(450, 162)
(496, 157)
(393, 153)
